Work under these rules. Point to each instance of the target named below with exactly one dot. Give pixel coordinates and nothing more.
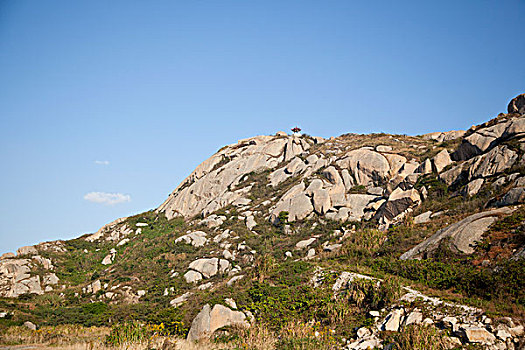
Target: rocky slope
(387, 205)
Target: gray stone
(474, 334)
(356, 204)
(209, 320)
(27, 250)
(234, 279)
(450, 322)
(393, 320)
(513, 196)
(250, 222)
(415, 317)
(517, 105)
(213, 220)
(50, 278)
(452, 175)
(310, 253)
(15, 278)
(444, 136)
(332, 247)
(295, 166)
(30, 325)
(473, 187)
(108, 259)
(441, 160)
(398, 202)
(278, 176)
(321, 200)
(295, 202)
(192, 276)
(422, 218)
(207, 267)
(462, 235)
(196, 239)
(376, 191)
(517, 331)
(383, 148)
(305, 243)
(348, 181)
(494, 162)
(425, 167)
(395, 162)
(333, 176)
(315, 185)
(365, 165)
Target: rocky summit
(351, 242)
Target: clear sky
(127, 97)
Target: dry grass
(59, 335)
(256, 338)
(416, 337)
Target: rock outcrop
(461, 236)
(16, 277)
(210, 319)
(517, 105)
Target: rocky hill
(367, 238)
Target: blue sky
(127, 97)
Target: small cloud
(107, 198)
(102, 162)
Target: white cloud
(102, 162)
(107, 198)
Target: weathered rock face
(16, 278)
(517, 105)
(209, 320)
(441, 160)
(366, 166)
(462, 235)
(208, 187)
(444, 136)
(489, 135)
(496, 161)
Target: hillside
(357, 241)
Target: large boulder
(209, 320)
(441, 160)
(517, 105)
(210, 267)
(398, 203)
(196, 239)
(365, 165)
(321, 200)
(356, 204)
(461, 236)
(515, 195)
(474, 334)
(295, 202)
